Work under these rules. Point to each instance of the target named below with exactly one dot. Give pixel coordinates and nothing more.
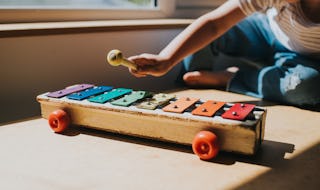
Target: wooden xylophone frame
(243, 137)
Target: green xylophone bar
(115, 93)
(131, 98)
(157, 100)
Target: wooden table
(33, 157)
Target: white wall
(37, 64)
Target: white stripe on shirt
(288, 23)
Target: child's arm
(196, 36)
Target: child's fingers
(143, 59)
(136, 73)
(147, 64)
(154, 70)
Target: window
(13, 11)
(74, 4)
(200, 3)
(195, 8)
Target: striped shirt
(288, 23)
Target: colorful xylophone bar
(147, 100)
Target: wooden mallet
(115, 58)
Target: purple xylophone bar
(69, 90)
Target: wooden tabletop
(33, 157)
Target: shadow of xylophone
(207, 125)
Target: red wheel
(59, 121)
(205, 145)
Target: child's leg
(247, 40)
(294, 80)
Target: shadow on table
(300, 172)
(270, 154)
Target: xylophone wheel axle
(59, 121)
(205, 145)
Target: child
(279, 40)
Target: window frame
(165, 9)
(194, 9)
(199, 3)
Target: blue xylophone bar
(89, 92)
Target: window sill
(54, 28)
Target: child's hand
(150, 64)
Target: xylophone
(207, 125)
